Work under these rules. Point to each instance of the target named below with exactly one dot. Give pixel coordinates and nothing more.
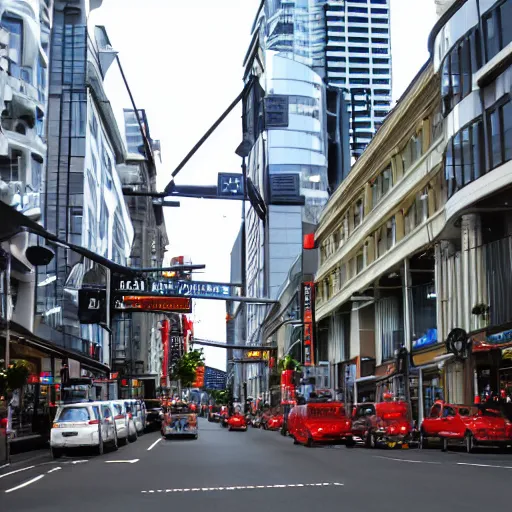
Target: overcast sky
(183, 61)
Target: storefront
(492, 361)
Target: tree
(185, 369)
(288, 363)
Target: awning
(369, 378)
(25, 337)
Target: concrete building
(415, 242)
(83, 198)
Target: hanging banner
(92, 306)
(199, 382)
(308, 291)
(165, 349)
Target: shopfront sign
(308, 292)
(500, 338)
(92, 305)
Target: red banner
(158, 303)
(308, 303)
(165, 348)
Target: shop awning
(25, 337)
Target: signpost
(308, 290)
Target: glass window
(507, 127)
(15, 28)
(448, 168)
(445, 86)
(495, 133)
(466, 68)
(492, 43)
(72, 414)
(466, 156)
(435, 412)
(475, 51)
(476, 134)
(506, 23)
(455, 75)
(386, 181)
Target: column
(406, 281)
(440, 292)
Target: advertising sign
(199, 382)
(308, 291)
(144, 303)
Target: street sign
(276, 111)
(174, 287)
(153, 303)
(308, 290)
(230, 186)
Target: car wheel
(295, 440)
(309, 442)
(350, 443)
(115, 444)
(470, 442)
(196, 436)
(444, 444)
(56, 453)
(230, 429)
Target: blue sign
(500, 337)
(430, 338)
(176, 288)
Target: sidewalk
(27, 451)
(31, 457)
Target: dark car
(154, 414)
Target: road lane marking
(133, 461)
(25, 484)
(406, 460)
(483, 465)
(78, 462)
(53, 470)
(154, 444)
(4, 466)
(16, 471)
(245, 487)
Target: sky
(183, 61)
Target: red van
(320, 423)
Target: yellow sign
(135, 383)
(254, 354)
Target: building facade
(410, 247)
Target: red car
(320, 423)
(275, 422)
(382, 422)
(237, 422)
(467, 425)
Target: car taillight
(403, 429)
(94, 422)
(55, 425)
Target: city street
(258, 470)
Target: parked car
(466, 425)
(275, 422)
(154, 414)
(89, 424)
(382, 423)
(129, 423)
(320, 423)
(138, 412)
(237, 422)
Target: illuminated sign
(154, 303)
(254, 354)
(308, 290)
(199, 382)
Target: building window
(358, 213)
(492, 35)
(463, 160)
(500, 133)
(15, 28)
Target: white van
(83, 424)
(125, 424)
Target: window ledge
(488, 73)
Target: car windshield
(70, 414)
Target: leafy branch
(185, 369)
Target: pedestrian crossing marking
(245, 487)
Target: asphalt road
(258, 471)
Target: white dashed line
(4, 466)
(406, 460)
(25, 484)
(54, 469)
(133, 461)
(16, 471)
(154, 444)
(483, 465)
(246, 487)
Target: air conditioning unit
(285, 189)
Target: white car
(88, 424)
(125, 424)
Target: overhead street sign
(175, 287)
(153, 303)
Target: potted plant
(481, 311)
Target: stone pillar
(406, 281)
(440, 293)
